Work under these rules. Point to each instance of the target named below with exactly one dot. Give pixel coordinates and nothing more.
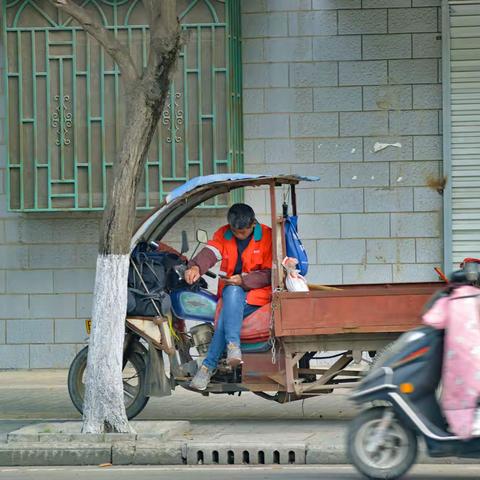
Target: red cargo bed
(383, 308)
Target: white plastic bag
(294, 281)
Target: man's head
(241, 219)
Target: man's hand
(192, 274)
(233, 280)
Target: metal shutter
(465, 129)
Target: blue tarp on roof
(206, 179)
(221, 177)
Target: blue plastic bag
(294, 245)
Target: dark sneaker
(201, 379)
(234, 355)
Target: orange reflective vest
(257, 256)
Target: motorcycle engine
(202, 336)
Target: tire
(394, 457)
(134, 375)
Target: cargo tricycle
(280, 341)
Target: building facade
(349, 90)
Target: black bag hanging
(142, 304)
(151, 268)
(146, 284)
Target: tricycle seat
(255, 327)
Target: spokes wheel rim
(131, 383)
(390, 453)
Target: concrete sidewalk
(39, 426)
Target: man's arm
(262, 277)
(204, 260)
(257, 279)
(208, 255)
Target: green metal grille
(65, 108)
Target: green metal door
(65, 109)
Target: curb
(66, 432)
(251, 453)
(172, 443)
(149, 453)
(38, 454)
(177, 452)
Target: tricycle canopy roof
(198, 190)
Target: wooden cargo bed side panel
(361, 309)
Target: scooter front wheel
(382, 455)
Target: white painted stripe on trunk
(103, 383)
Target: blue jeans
(229, 324)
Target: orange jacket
(257, 256)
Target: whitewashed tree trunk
(145, 96)
(103, 405)
(104, 409)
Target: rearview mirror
(202, 236)
(184, 242)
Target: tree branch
(165, 32)
(117, 50)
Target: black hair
(240, 215)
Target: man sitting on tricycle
(244, 248)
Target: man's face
(242, 233)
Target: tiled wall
(326, 80)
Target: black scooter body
(416, 359)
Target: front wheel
(386, 459)
(134, 376)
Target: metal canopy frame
(159, 222)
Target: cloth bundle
(294, 281)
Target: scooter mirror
(184, 242)
(471, 272)
(202, 236)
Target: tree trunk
(104, 409)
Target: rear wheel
(386, 459)
(133, 382)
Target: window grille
(65, 107)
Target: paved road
(43, 395)
(330, 472)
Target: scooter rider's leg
(202, 378)
(233, 309)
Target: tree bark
(145, 102)
(103, 406)
(104, 409)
